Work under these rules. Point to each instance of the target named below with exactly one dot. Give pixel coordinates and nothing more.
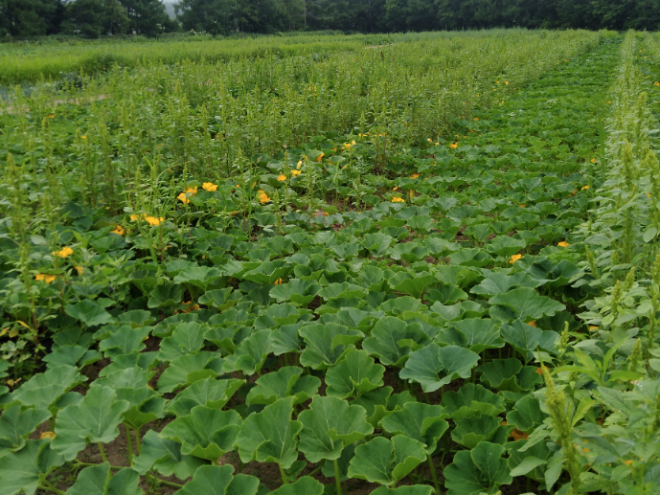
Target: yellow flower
(80, 270)
(188, 307)
(278, 281)
(506, 82)
(398, 200)
(453, 146)
(648, 195)
(476, 118)
(183, 198)
(134, 218)
(209, 186)
(532, 323)
(191, 190)
(429, 140)
(593, 327)
(657, 83)
(497, 82)
(119, 230)
(263, 197)
(153, 221)
(585, 188)
(44, 277)
(523, 206)
(627, 463)
(593, 160)
(64, 252)
(347, 146)
(320, 157)
(395, 188)
(414, 176)
(83, 137)
(281, 177)
(295, 172)
(299, 165)
(51, 116)
(515, 258)
(563, 244)
(47, 434)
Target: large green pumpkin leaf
(482, 470)
(251, 354)
(205, 433)
(354, 375)
(404, 490)
(386, 339)
(89, 312)
(16, 426)
(471, 400)
(43, 389)
(188, 369)
(523, 304)
(499, 283)
(435, 366)
(509, 374)
(476, 334)
(422, 422)
(526, 414)
(297, 291)
(93, 420)
(304, 486)
(326, 344)
(472, 430)
(186, 338)
(20, 472)
(126, 340)
(285, 382)
(165, 457)
(218, 480)
(386, 461)
(270, 435)
(95, 480)
(329, 425)
(209, 392)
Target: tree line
(93, 18)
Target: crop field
(326, 265)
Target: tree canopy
(94, 18)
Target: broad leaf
(304, 486)
(386, 339)
(210, 392)
(93, 420)
(471, 400)
(474, 333)
(353, 376)
(185, 339)
(218, 480)
(95, 480)
(16, 426)
(482, 470)
(165, 457)
(297, 291)
(526, 414)
(523, 304)
(43, 389)
(329, 425)
(251, 354)
(509, 374)
(421, 422)
(326, 344)
(188, 369)
(20, 472)
(405, 490)
(285, 382)
(206, 433)
(386, 461)
(435, 366)
(270, 435)
(89, 312)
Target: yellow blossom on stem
(153, 221)
(80, 270)
(398, 200)
(414, 176)
(262, 196)
(119, 230)
(563, 244)
(47, 435)
(585, 188)
(453, 145)
(320, 157)
(515, 258)
(209, 186)
(183, 198)
(44, 277)
(295, 173)
(281, 177)
(64, 252)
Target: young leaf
(270, 435)
(386, 337)
(285, 382)
(386, 461)
(326, 344)
(329, 425)
(353, 376)
(43, 389)
(523, 304)
(251, 354)
(477, 334)
(185, 339)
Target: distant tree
(212, 16)
(92, 18)
(29, 18)
(147, 17)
